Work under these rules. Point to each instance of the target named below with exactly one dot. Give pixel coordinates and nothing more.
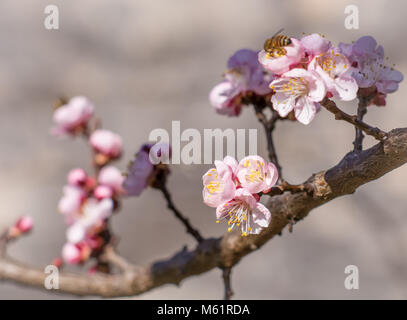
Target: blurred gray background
(145, 63)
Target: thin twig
(340, 115)
(111, 256)
(191, 230)
(344, 178)
(269, 126)
(358, 143)
(362, 110)
(226, 274)
(4, 238)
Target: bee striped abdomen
(276, 44)
(282, 40)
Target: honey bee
(274, 46)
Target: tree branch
(354, 120)
(226, 274)
(269, 126)
(354, 170)
(189, 228)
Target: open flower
(73, 116)
(299, 90)
(244, 212)
(139, 172)
(225, 98)
(218, 183)
(367, 59)
(246, 73)
(334, 69)
(314, 45)
(243, 77)
(149, 163)
(280, 64)
(255, 175)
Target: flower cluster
(370, 70)
(233, 189)
(86, 205)
(88, 201)
(308, 70)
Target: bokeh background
(145, 63)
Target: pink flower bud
(71, 253)
(111, 177)
(24, 224)
(102, 192)
(107, 143)
(77, 177)
(57, 262)
(75, 114)
(76, 253)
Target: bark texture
(354, 170)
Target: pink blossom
(256, 175)
(71, 200)
(102, 192)
(314, 45)
(94, 213)
(225, 98)
(367, 59)
(72, 116)
(75, 253)
(279, 65)
(111, 177)
(77, 177)
(139, 173)
(244, 211)
(24, 224)
(299, 90)
(231, 164)
(106, 142)
(244, 75)
(71, 253)
(219, 185)
(336, 72)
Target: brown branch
(293, 188)
(354, 170)
(189, 228)
(226, 274)
(112, 257)
(269, 126)
(358, 123)
(362, 110)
